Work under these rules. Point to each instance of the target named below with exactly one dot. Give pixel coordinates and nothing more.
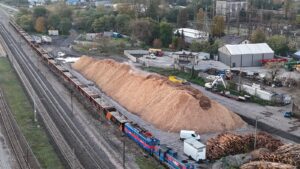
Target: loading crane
(211, 85)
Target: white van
(185, 134)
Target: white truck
(194, 149)
(186, 134)
(151, 56)
(46, 39)
(53, 32)
(37, 39)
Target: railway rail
(7, 121)
(52, 130)
(103, 108)
(81, 147)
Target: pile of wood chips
(287, 154)
(230, 144)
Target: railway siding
(60, 113)
(37, 139)
(19, 145)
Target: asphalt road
(269, 115)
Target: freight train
(142, 137)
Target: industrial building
(245, 55)
(230, 9)
(192, 35)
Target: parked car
(61, 54)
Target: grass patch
(23, 113)
(147, 163)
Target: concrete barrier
(131, 57)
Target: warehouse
(245, 55)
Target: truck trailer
(194, 149)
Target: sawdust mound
(157, 100)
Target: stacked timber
(230, 144)
(266, 165)
(287, 154)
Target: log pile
(266, 165)
(288, 154)
(230, 144)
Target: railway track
(60, 113)
(11, 133)
(52, 130)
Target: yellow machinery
(175, 79)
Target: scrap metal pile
(287, 154)
(230, 144)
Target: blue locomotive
(152, 145)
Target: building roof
(297, 55)
(249, 49)
(192, 33)
(233, 39)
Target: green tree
(142, 29)
(278, 44)
(40, 24)
(165, 33)
(105, 23)
(65, 25)
(195, 46)
(171, 16)
(39, 12)
(218, 26)
(258, 36)
(25, 21)
(98, 25)
(53, 21)
(213, 49)
(182, 18)
(64, 11)
(152, 9)
(242, 15)
(83, 20)
(122, 25)
(298, 20)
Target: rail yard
(101, 113)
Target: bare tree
(273, 69)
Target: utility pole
(123, 135)
(238, 23)
(71, 98)
(228, 19)
(255, 132)
(34, 109)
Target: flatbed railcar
(139, 135)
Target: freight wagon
(139, 135)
